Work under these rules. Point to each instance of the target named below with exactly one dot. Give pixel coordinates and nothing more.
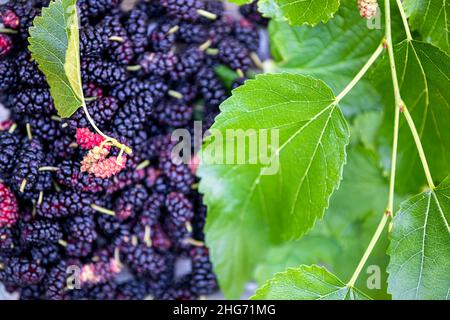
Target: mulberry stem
(8, 31)
(112, 140)
(207, 14)
(103, 210)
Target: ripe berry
(188, 63)
(130, 202)
(183, 9)
(9, 144)
(7, 240)
(250, 11)
(179, 208)
(144, 261)
(8, 74)
(41, 232)
(211, 88)
(82, 228)
(203, 281)
(31, 292)
(157, 63)
(102, 110)
(56, 281)
(46, 255)
(28, 72)
(8, 207)
(192, 33)
(247, 33)
(136, 27)
(77, 248)
(133, 290)
(234, 54)
(103, 73)
(29, 160)
(34, 101)
(6, 44)
(174, 113)
(163, 37)
(178, 174)
(21, 271)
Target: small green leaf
(334, 53)
(432, 19)
(307, 283)
(309, 12)
(54, 44)
(310, 155)
(423, 73)
(420, 247)
(227, 75)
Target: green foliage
(309, 12)
(54, 44)
(432, 19)
(307, 283)
(423, 75)
(305, 113)
(334, 53)
(420, 246)
(339, 240)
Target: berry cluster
(70, 200)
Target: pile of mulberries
(146, 71)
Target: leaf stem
(398, 105)
(368, 251)
(361, 73)
(419, 147)
(116, 143)
(398, 99)
(405, 20)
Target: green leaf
(54, 44)
(423, 77)
(339, 240)
(431, 19)
(307, 283)
(309, 12)
(310, 156)
(227, 75)
(420, 247)
(366, 127)
(334, 53)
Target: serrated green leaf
(297, 12)
(432, 19)
(311, 152)
(423, 77)
(334, 53)
(420, 247)
(307, 283)
(54, 44)
(339, 240)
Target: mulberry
(41, 232)
(8, 207)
